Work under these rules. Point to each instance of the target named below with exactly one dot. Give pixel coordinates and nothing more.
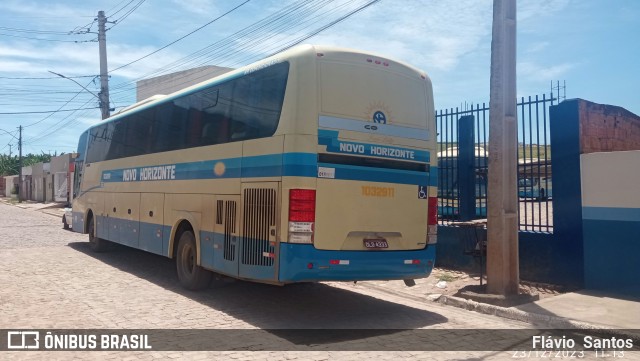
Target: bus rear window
(359, 91)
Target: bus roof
(327, 52)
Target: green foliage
(11, 165)
(8, 165)
(31, 159)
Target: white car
(67, 219)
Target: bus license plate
(376, 243)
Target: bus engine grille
(259, 219)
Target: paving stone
(51, 279)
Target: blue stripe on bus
(363, 265)
(294, 258)
(334, 145)
(272, 165)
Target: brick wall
(607, 128)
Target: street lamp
(104, 105)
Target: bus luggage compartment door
(226, 240)
(258, 241)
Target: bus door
(76, 224)
(226, 238)
(259, 232)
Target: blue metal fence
(463, 163)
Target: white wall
(611, 179)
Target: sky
(592, 45)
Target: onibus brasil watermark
(33, 340)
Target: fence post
(466, 168)
(564, 123)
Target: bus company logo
(379, 113)
(379, 117)
(23, 340)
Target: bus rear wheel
(190, 275)
(97, 244)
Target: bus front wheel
(190, 275)
(97, 244)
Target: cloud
(536, 47)
(428, 34)
(533, 71)
(529, 9)
(199, 7)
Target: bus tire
(97, 244)
(190, 275)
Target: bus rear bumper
(305, 263)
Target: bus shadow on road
(277, 309)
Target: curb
(553, 322)
(515, 314)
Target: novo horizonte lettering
(377, 150)
(163, 172)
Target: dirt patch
(455, 282)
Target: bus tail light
(302, 215)
(432, 221)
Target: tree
(11, 165)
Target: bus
(539, 188)
(315, 164)
(448, 195)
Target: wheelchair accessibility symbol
(422, 192)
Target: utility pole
(20, 164)
(502, 224)
(10, 145)
(104, 76)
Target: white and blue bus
(315, 164)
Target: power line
(41, 39)
(182, 37)
(291, 17)
(121, 19)
(258, 33)
(47, 111)
(323, 28)
(45, 77)
(31, 31)
(63, 105)
(60, 125)
(291, 13)
(121, 8)
(5, 132)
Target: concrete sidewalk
(54, 209)
(618, 311)
(600, 309)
